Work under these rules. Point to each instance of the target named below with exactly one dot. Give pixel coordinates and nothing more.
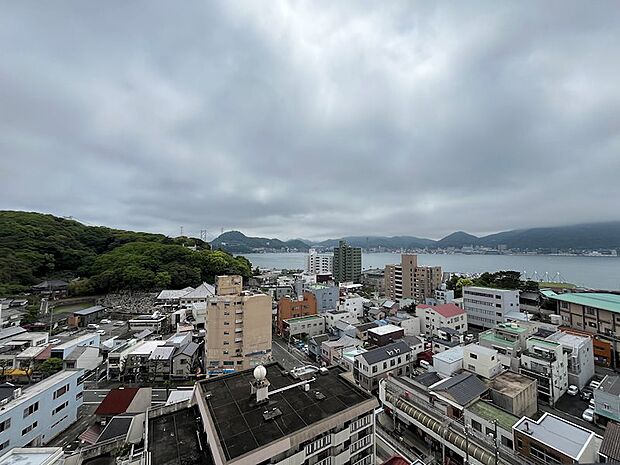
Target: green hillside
(34, 247)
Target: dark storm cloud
(312, 119)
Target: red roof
(448, 310)
(45, 353)
(396, 460)
(117, 401)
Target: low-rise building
(86, 358)
(487, 307)
(331, 351)
(288, 308)
(610, 450)
(124, 400)
(84, 317)
(445, 338)
(314, 346)
(482, 361)
(514, 393)
(186, 361)
(160, 363)
(137, 366)
(384, 334)
(486, 418)
(454, 394)
(321, 428)
(156, 322)
(580, 353)
(326, 296)
(449, 362)
(607, 400)
(35, 415)
(551, 439)
(304, 326)
(61, 351)
(546, 362)
(510, 340)
(441, 316)
(392, 359)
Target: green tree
(51, 366)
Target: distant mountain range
(591, 236)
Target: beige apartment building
(407, 280)
(238, 325)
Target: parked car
(588, 415)
(586, 394)
(572, 390)
(105, 321)
(119, 323)
(92, 326)
(591, 404)
(101, 332)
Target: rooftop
(174, 440)
(386, 352)
(162, 353)
(240, 424)
(450, 356)
(510, 383)
(117, 401)
(477, 349)
(146, 347)
(446, 310)
(385, 329)
(76, 341)
(201, 292)
(48, 383)
(304, 318)
(462, 388)
(89, 310)
(611, 385)
(610, 447)
(427, 379)
(32, 456)
(511, 328)
(557, 433)
(541, 342)
(603, 301)
(173, 294)
(491, 338)
(490, 412)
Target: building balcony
(361, 444)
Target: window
(60, 408)
(27, 429)
(4, 445)
(471, 367)
(506, 442)
(6, 424)
(31, 409)
(477, 426)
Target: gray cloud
(312, 119)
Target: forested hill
(34, 247)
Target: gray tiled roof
(462, 388)
(610, 446)
(386, 352)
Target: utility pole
(495, 441)
(181, 231)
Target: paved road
(95, 396)
(288, 359)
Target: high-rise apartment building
(238, 327)
(347, 263)
(319, 263)
(407, 280)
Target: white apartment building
(546, 362)
(35, 415)
(393, 359)
(487, 307)
(319, 263)
(441, 316)
(352, 303)
(580, 355)
(481, 361)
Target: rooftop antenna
(260, 385)
(181, 231)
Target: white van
(425, 365)
(92, 326)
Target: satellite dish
(260, 373)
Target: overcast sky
(312, 119)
